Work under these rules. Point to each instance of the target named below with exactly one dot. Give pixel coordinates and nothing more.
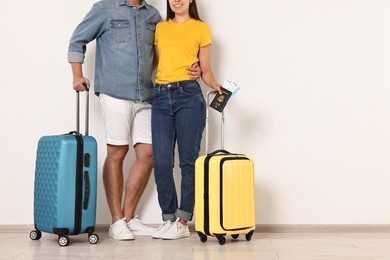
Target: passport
(220, 100)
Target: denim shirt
(124, 47)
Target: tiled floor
(291, 246)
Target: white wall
(313, 110)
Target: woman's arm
(207, 73)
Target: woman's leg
(190, 123)
(163, 140)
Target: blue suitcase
(65, 185)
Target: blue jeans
(178, 115)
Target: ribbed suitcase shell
(224, 195)
(60, 203)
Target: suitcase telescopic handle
(86, 85)
(209, 93)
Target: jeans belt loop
(179, 85)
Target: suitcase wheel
(63, 240)
(235, 236)
(221, 239)
(202, 237)
(93, 238)
(249, 235)
(35, 235)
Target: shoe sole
(122, 239)
(141, 233)
(158, 236)
(173, 238)
(119, 238)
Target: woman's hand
(216, 87)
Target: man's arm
(155, 59)
(78, 78)
(89, 29)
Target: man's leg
(138, 178)
(118, 118)
(113, 179)
(113, 185)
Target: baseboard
(322, 228)
(260, 228)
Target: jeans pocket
(156, 92)
(191, 89)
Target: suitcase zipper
(79, 185)
(221, 191)
(206, 196)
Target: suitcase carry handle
(86, 190)
(207, 122)
(86, 85)
(74, 133)
(222, 151)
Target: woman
(178, 111)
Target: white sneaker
(120, 231)
(162, 228)
(139, 229)
(176, 231)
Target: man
(124, 33)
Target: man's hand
(195, 72)
(78, 83)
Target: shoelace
(121, 226)
(163, 225)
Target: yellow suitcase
(224, 194)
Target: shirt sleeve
(91, 27)
(206, 38)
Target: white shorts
(126, 121)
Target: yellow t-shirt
(178, 47)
